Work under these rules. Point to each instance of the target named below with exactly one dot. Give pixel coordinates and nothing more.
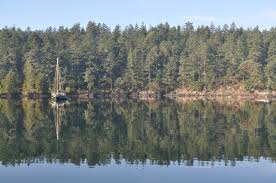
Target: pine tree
(10, 83)
(31, 71)
(270, 69)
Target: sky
(40, 14)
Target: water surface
(134, 141)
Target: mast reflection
(58, 108)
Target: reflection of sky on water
(243, 171)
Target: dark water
(132, 141)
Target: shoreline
(262, 96)
(245, 95)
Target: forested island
(159, 59)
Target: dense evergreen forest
(137, 58)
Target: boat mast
(57, 77)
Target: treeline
(162, 133)
(137, 58)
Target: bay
(137, 141)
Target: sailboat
(58, 93)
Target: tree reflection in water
(161, 132)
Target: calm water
(131, 141)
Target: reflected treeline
(163, 132)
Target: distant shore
(227, 93)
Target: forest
(137, 58)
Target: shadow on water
(162, 132)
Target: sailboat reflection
(58, 110)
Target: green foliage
(136, 58)
(249, 71)
(270, 69)
(10, 83)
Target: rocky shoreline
(226, 93)
(254, 95)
